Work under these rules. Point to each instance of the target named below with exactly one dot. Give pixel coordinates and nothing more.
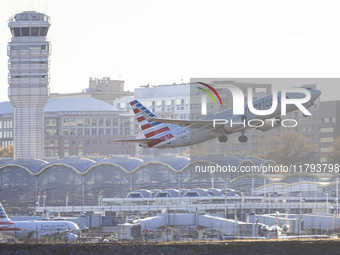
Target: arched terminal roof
(177, 163)
(70, 104)
(129, 164)
(80, 164)
(83, 104)
(32, 165)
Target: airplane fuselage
(36, 230)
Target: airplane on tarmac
(171, 133)
(277, 232)
(38, 230)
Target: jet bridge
(314, 223)
(202, 222)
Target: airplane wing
(194, 124)
(303, 236)
(135, 141)
(183, 123)
(243, 237)
(62, 234)
(34, 234)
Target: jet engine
(270, 124)
(71, 238)
(285, 228)
(264, 229)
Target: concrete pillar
(253, 229)
(164, 234)
(172, 233)
(200, 234)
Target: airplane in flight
(171, 133)
(38, 230)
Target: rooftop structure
(104, 89)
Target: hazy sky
(162, 42)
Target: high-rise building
(28, 79)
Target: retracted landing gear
(223, 139)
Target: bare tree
(290, 148)
(334, 155)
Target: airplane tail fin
(150, 129)
(3, 214)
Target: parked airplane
(38, 230)
(277, 232)
(170, 133)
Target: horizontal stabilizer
(135, 141)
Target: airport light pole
(225, 206)
(38, 198)
(252, 185)
(67, 199)
(300, 202)
(44, 197)
(337, 199)
(83, 190)
(242, 201)
(337, 193)
(256, 227)
(100, 198)
(315, 190)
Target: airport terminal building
(83, 182)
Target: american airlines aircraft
(38, 230)
(170, 133)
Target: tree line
(292, 148)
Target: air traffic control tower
(28, 79)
